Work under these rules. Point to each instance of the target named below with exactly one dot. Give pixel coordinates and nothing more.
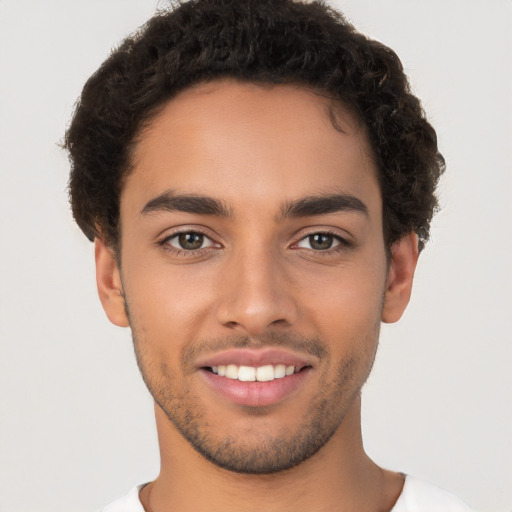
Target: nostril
(280, 322)
(231, 325)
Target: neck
(340, 476)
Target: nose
(255, 294)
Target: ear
(110, 286)
(404, 256)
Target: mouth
(265, 373)
(256, 378)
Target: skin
(257, 279)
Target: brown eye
(319, 242)
(190, 241)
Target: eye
(319, 242)
(189, 241)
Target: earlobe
(110, 286)
(404, 256)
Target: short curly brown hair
(259, 41)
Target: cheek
(350, 299)
(346, 311)
(166, 303)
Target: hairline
(335, 106)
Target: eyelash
(343, 243)
(166, 246)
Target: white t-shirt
(417, 496)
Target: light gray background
(76, 421)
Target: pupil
(191, 241)
(320, 242)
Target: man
(258, 181)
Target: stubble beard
(257, 453)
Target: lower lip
(256, 394)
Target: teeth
(265, 373)
(279, 371)
(247, 373)
(250, 374)
(232, 371)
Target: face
(254, 270)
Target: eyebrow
(304, 207)
(322, 205)
(171, 202)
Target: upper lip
(256, 358)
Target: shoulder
(128, 503)
(420, 496)
(417, 496)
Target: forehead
(245, 143)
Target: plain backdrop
(76, 422)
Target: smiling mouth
(265, 373)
